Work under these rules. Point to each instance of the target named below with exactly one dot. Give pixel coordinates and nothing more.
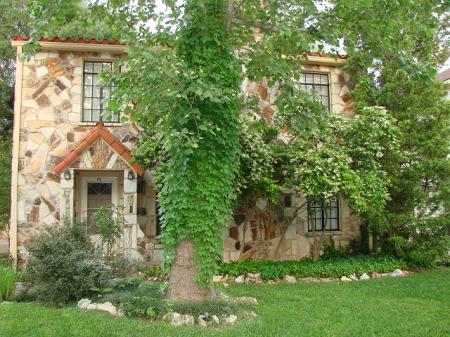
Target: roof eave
(44, 45)
(325, 60)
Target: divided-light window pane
(323, 216)
(95, 95)
(317, 84)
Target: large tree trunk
(182, 285)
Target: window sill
(311, 234)
(108, 124)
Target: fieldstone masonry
(51, 125)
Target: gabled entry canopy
(99, 132)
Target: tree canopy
(182, 85)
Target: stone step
(4, 247)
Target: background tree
(14, 20)
(394, 49)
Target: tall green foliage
(394, 49)
(5, 175)
(14, 21)
(201, 135)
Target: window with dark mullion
(323, 216)
(96, 96)
(317, 84)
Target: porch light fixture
(67, 175)
(131, 175)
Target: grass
(418, 305)
(8, 279)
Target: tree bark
(182, 285)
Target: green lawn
(418, 305)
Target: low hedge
(273, 270)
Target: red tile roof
(117, 42)
(99, 131)
(69, 40)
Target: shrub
(127, 284)
(272, 270)
(146, 300)
(422, 243)
(8, 280)
(332, 252)
(155, 272)
(145, 307)
(122, 266)
(108, 223)
(64, 265)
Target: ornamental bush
(273, 270)
(135, 299)
(64, 265)
(422, 243)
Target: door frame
(84, 184)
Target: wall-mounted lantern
(131, 175)
(67, 175)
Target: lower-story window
(323, 216)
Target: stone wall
(265, 233)
(50, 125)
(262, 233)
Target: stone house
(68, 161)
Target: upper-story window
(95, 96)
(323, 216)
(317, 84)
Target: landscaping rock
(215, 319)
(202, 322)
(289, 279)
(310, 280)
(364, 277)
(187, 320)
(253, 278)
(376, 275)
(326, 280)
(92, 306)
(345, 279)
(226, 285)
(240, 279)
(176, 319)
(230, 320)
(107, 307)
(248, 300)
(83, 303)
(6, 303)
(353, 277)
(217, 278)
(397, 273)
(250, 314)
